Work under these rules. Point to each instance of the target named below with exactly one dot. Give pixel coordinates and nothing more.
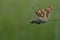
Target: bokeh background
(16, 14)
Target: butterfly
(42, 15)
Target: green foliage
(16, 14)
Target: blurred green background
(16, 14)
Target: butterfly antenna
(34, 9)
